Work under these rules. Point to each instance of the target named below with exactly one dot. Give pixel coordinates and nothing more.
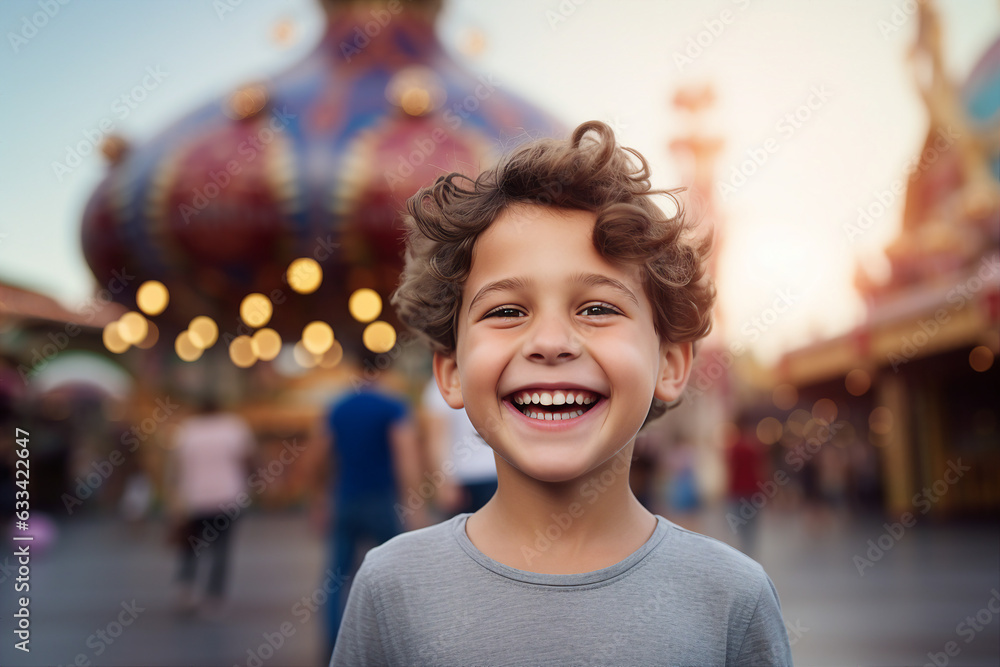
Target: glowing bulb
(317, 337)
(241, 352)
(981, 359)
(112, 338)
(365, 305)
(256, 310)
(857, 382)
(152, 297)
(379, 337)
(304, 275)
(415, 101)
(266, 344)
(132, 327)
(186, 348)
(203, 331)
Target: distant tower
(702, 416)
(697, 153)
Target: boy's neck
(562, 528)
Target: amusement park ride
(271, 215)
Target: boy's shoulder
(414, 551)
(705, 563)
(704, 551)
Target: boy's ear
(675, 368)
(448, 380)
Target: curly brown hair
(589, 172)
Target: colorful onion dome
(316, 162)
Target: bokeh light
(203, 331)
(880, 420)
(317, 337)
(186, 348)
(304, 275)
(415, 101)
(796, 421)
(266, 344)
(785, 396)
(241, 352)
(769, 430)
(247, 102)
(857, 382)
(113, 339)
(473, 42)
(416, 89)
(825, 410)
(379, 337)
(816, 430)
(981, 359)
(256, 310)
(365, 305)
(152, 297)
(132, 327)
(283, 32)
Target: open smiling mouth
(553, 405)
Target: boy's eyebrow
(597, 280)
(497, 286)
(589, 279)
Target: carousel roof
(313, 164)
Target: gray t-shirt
(430, 597)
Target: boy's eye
(600, 309)
(506, 312)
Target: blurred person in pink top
(206, 491)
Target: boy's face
(557, 358)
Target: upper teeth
(557, 397)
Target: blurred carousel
(266, 223)
(254, 243)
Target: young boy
(562, 307)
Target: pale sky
(618, 61)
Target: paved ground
(908, 604)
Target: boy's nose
(552, 340)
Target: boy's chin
(556, 472)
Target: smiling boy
(562, 307)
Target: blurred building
(57, 384)
(913, 390)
